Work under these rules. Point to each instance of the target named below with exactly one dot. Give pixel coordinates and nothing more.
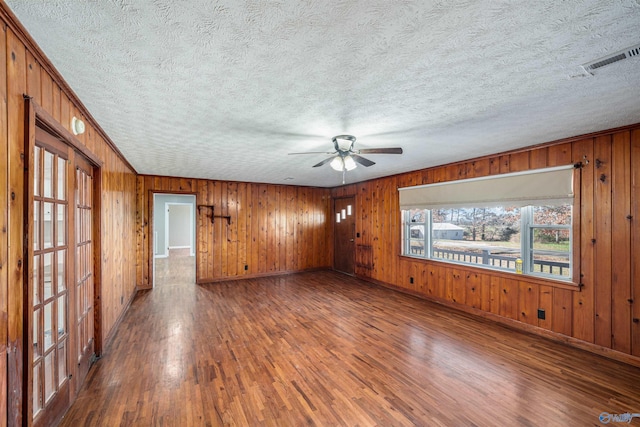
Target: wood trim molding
(12, 22)
(520, 326)
(255, 276)
(46, 120)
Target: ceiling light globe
(337, 164)
(349, 163)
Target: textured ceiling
(225, 89)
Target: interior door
(84, 277)
(344, 235)
(47, 301)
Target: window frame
(527, 227)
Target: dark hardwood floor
(327, 349)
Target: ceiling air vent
(629, 52)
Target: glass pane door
(84, 292)
(50, 277)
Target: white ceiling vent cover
(629, 52)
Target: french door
(49, 296)
(59, 304)
(84, 266)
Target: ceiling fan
(345, 158)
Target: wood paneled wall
(273, 229)
(604, 312)
(24, 70)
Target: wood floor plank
(328, 349)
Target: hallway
(327, 349)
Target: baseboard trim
(106, 343)
(514, 324)
(259, 275)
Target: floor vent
(630, 52)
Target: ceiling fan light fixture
(349, 163)
(337, 164)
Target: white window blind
(543, 187)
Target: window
(526, 227)
(535, 239)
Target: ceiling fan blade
(397, 150)
(324, 162)
(315, 152)
(362, 160)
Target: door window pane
(36, 225)
(37, 348)
(36, 171)
(62, 179)
(37, 392)
(48, 225)
(62, 310)
(36, 279)
(62, 277)
(62, 362)
(61, 226)
(48, 271)
(48, 324)
(49, 371)
(48, 174)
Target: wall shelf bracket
(212, 215)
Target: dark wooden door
(344, 235)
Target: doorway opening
(174, 237)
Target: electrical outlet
(541, 314)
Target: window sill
(538, 280)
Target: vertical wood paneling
(620, 237)
(274, 228)
(560, 154)
(509, 298)
(546, 303)
(458, 286)
(46, 84)
(232, 230)
(33, 79)
(538, 158)
(504, 164)
(141, 230)
(583, 301)
(448, 283)
(635, 241)
(4, 244)
(562, 317)
(602, 231)
(519, 161)
(16, 87)
(21, 73)
(602, 191)
(528, 303)
(474, 289)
